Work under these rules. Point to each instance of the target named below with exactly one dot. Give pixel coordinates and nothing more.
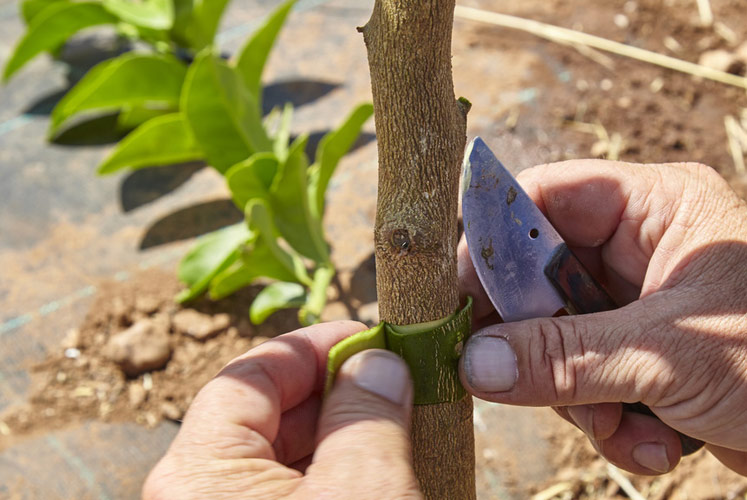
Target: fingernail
(583, 415)
(383, 374)
(490, 364)
(652, 456)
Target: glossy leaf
(281, 140)
(256, 261)
(332, 148)
(254, 54)
(31, 8)
(290, 205)
(211, 254)
(52, 27)
(126, 81)
(252, 178)
(259, 218)
(131, 117)
(206, 21)
(222, 114)
(275, 297)
(152, 14)
(164, 140)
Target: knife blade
(524, 265)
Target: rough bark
(421, 133)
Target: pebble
(171, 411)
(141, 348)
(198, 325)
(720, 60)
(136, 394)
(72, 339)
(147, 304)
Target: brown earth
(568, 104)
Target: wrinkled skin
(670, 243)
(259, 429)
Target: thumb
(363, 435)
(570, 360)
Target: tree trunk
(421, 133)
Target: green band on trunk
(431, 350)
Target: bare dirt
(572, 104)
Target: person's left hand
(259, 428)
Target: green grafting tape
(431, 350)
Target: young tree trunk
(421, 133)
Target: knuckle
(555, 355)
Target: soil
(564, 104)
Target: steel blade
(510, 240)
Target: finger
(237, 414)
(296, 437)
(363, 436)
(614, 201)
(734, 459)
(598, 421)
(642, 445)
(576, 360)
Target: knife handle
(582, 294)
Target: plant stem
(421, 132)
(312, 310)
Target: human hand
(670, 242)
(259, 429)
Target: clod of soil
(143, 347)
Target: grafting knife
(524, 265)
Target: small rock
(720, 60)
(72, 339)
(741, 52)
(120, 310)
(200, 326)
(335, 311)
(171, 411)
(139, 349)
(136, 394)
(147, 304)
(369, 313)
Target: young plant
(216, 116)
(282, 238)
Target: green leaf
(275, 297)
(206, 20)
(211, 254)
(131, 117)
(164, 140)
(259, 217)
(282, 136)
(332, 148)
(253, 56)
(222, 114)
(252, 178)
(234, 277)
(31, 8)
(151, 14)
(256, 261)
(128, 80)
(52, 27)
(290, 206)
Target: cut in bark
(421, 134)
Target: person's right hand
(670, 241)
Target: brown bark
(421, 133)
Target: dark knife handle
(582, 294)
